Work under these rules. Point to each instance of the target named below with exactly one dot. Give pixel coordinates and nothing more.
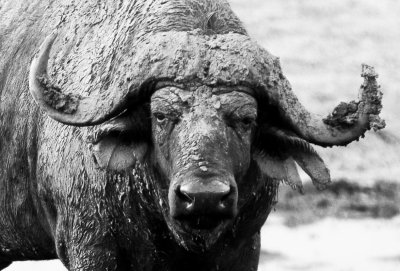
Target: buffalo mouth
(198, 236)
(201, 223)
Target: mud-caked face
(202, 139)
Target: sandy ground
(332, 245)
(322, 45)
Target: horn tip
(368, 71)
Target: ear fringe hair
(279, 150)
(289, 139)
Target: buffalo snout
(204, 204)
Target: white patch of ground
(54, 265)
(331, 245)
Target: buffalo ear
(278, 151)
(281, 170)
(121, 143)
(312, 164)
(111, 153)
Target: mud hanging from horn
(348, 122)
(71, 109)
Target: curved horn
(69, 108)
(348, 121)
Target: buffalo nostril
(183, 195)
(204, 196)
(226, 197)
(222, 202)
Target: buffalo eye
(241, 123)
(160, 117)
(247, 122)
(165, 118)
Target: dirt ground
(331, 245)
(322, 45)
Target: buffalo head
(210, 113)
(202, 141)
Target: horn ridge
(348, 122)
(69, 108)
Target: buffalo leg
(81, 248)
(93, 259)
(85, 257)
(81, 256)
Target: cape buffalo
(149, 134)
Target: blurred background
(355, 224)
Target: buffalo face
(202, 141)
